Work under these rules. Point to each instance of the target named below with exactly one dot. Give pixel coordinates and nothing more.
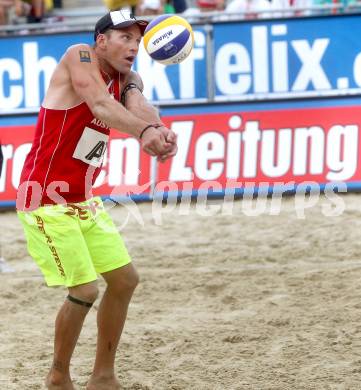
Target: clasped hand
(160, 142)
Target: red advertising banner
(220, 151)
(126, 169)
(264, 147)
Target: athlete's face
(122, 47)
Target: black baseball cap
(115, 20)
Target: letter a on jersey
(97, 151)
(91, 147)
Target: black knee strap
(79, 302)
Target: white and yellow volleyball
(168, 39)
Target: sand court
(225, 302)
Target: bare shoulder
(80, 53)
(79, 46)
(61, 93)
(135, 78)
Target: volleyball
(168, 39)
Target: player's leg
(56, 243)
(68, 325)
(112, 314)
(112, 261)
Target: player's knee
(133, 280)
(130, 282)
(86, 292)
(127, 283)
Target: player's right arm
(88, 84)
(137, 104)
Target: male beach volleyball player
(69, 234)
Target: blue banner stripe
(238, 192)
(11, 120)
(216, 108)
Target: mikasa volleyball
(168, 39)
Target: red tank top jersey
(66, 156)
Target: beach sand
(228, 301)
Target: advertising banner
(125, 171)
(266, 148)
(287, 58)
(247, 60)
(27, 64)
(220, 147)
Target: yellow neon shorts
(73, 243)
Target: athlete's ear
(101, 40)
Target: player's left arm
(134, 101)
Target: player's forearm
(138, 105)
(116, 116)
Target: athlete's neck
(109, 73)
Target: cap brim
(142, 24)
